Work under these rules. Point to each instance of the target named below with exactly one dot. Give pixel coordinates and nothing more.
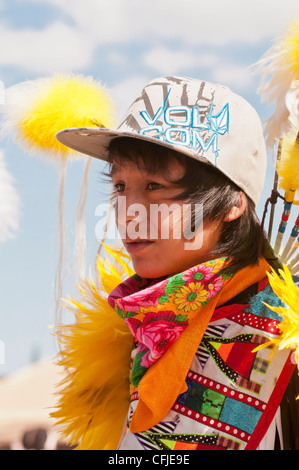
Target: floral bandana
(158, 311)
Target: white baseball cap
(205, 121)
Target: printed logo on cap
(184, 126)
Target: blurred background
(124, 44)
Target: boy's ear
(236, 211)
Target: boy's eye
(153, 185)
(119, 187)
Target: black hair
(242, 240)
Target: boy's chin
(149, 272)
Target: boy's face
(153, 227)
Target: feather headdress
(288, 165)
(280, 86)
(279, 68)
(287, 168)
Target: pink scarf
(158, 311)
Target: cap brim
(87, 140)
(94, 141)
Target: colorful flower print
(218, 264)
(214, 286)
(157, 333)
(146, 298)
(200, 273)
(191, 297)
(125, 289)
(157, 311)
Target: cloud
(125, 92)
(57, 48)
(9, 203)
(236, 76)
(72, 45)
(166, 61)
(216, 22)
(173, 61)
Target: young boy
(195, 305)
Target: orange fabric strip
(165, 380)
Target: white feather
(17, 100)
(9, 203)
(292, 103)
(275, 83)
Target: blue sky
(124, 44)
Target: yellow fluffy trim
(288, 292)
(96, 349)
(36, 110)
(288, 165)
(290, 48)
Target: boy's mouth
(132, 246)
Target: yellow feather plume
(290, 49)
(96, 350)
(279, 68)
(285, 288)
(34, 111)
(288, 165)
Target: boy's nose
(132, 217)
